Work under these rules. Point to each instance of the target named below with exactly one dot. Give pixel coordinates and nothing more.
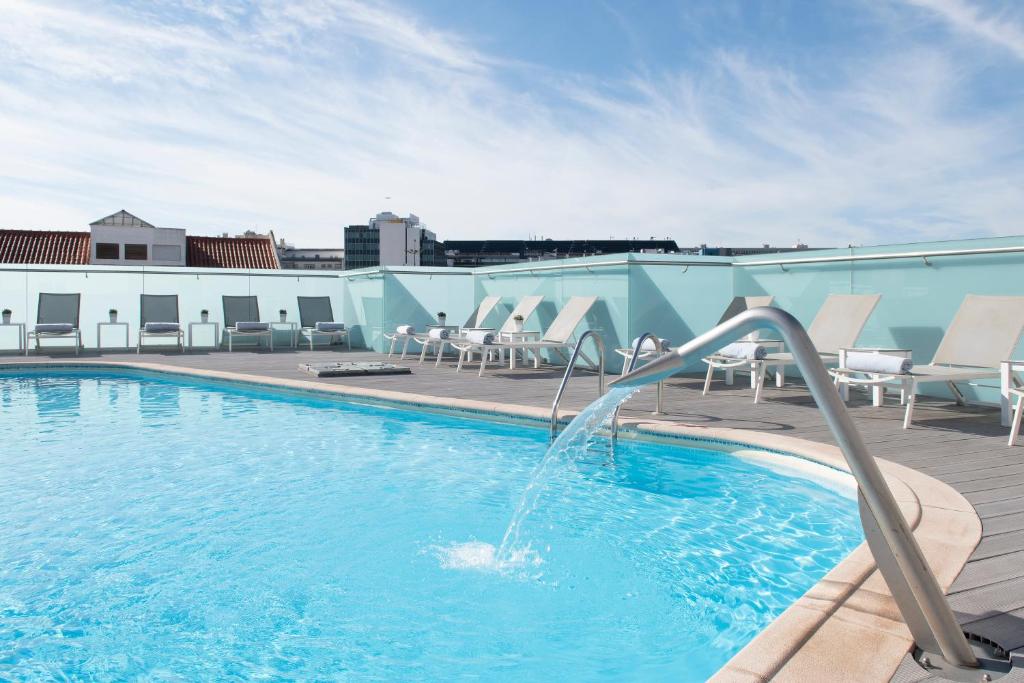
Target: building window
(107, 250)
(164, 252)
(135, 252)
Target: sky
(726, 122)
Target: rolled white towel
(406, 329)
(438, 333)
(251, 326)
(480, 337)
(745, 350)
(881, 363)
(649, 345)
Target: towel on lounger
(330, 327)
(480, 337)
(156, 328)
(878, 362)
(744, 350)
(438, 333)
(252, 327)
(406, 329)
(648, 345)
(55, 328)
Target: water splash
(481, 556)
(570, 444)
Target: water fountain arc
(897, 554)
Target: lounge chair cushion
(55, 328)
(252, 327)
(330, 327)
(161, 328)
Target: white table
(22, 344)
(521, 336)
(290, 325)
(1007, 381)
(216, 334)
(99, 334)
(878, 390)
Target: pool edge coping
(845, 627)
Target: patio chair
(242, 319)
(56, 318)
(984, 332)
(730, 365)
(1018, 413)
(476, 319)
(836, 326)
(560, 337)
(158, 319)
(316, 317)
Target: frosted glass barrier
(363, 306)
(415, 297)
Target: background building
(293, 258)
(473, 253)
(390, 240)
(124, 239)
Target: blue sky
(737, 123)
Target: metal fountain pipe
(899, 558)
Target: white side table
(521, 336)
(216, 334)
(877, 391)
(292, 326)
(22, 344)
(1008, 380)
(99, 334)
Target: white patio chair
(730, 365)
(475, 320)
(560, 337)
(1018, 412)
(242, 319)
(984, 332)
(158, 319)
(56, 318)
(316, 318)
(836, 326)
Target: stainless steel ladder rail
(627, 368)
(569, 370)
(898, 556)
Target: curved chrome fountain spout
(896, 552)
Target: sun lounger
(158, 319)
(56, 318)
(242, 319)
(316, 317)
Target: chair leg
(707, 380)
(462, 357)
(391, 351)
(780, 376)
(423, 352)
(440, 352)
(483, 364)
(405, 348)
(911, 399)
(761, 370)
(730, 376)
(1018, 413)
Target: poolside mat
(350, 368)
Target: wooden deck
(963, 446)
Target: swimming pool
(169, 528)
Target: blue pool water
(175, 530)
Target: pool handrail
(897, 554)
(627, 368)
(569, 370)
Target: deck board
(964, 446)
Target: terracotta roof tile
(231, 252)
(44, 246)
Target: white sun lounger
(158, 319)
(836, 326)
(559, 337)
(730, 365)
(56, 318)
(984, 332)
(476, 320)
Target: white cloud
(303, 117)
(998, 29)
